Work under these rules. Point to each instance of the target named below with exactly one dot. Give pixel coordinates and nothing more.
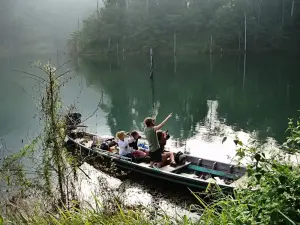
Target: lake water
(210, 97)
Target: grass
(88, 216)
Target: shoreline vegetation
(271, 193)
(210, 27)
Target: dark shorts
(156, 156)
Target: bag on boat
(107, 145)
(180, 158)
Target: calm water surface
(210, 97)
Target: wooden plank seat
(211, 171)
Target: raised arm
(159, 126)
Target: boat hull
(161, 174)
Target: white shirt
(124, 146)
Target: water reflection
(207, 104)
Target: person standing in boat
(124, 142)
(156, 151)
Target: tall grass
(88, 216)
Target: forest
(184, 25)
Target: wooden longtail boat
(194, 172)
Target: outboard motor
(73, 120)
(180, 158)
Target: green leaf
(1, 220)
(282, 179)
(238, 142)
(224, 139)
(258, 176)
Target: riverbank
(276, 200)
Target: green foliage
(292, 144)
(95, 215)
(137, 24)
(54, 168)
(271, 191)
(13, 172)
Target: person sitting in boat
(136, 136)
(162, 137)
(156, 152)
(124, 141)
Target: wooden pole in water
(124, 38)
(118, 54)
(174, 50)
(108, 44)
(98, 9)
(282, 16)
(151, 64)
(152, 77)
(211, 40)
(175, 64)
(245, 48)
(239, 42)
(244, 75)
(293, 6)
